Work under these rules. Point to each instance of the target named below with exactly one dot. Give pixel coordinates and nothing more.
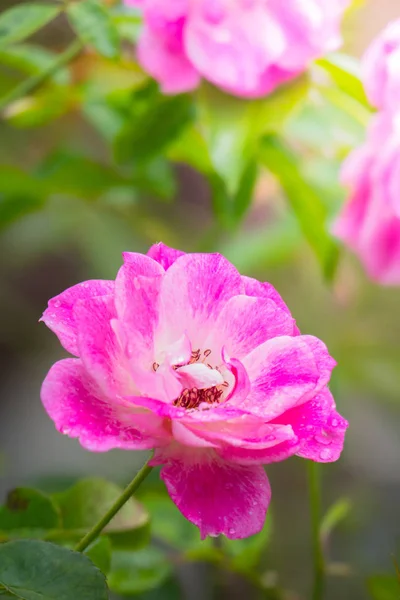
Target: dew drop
(231, 531)
(57, 304)
(334, 423)
(325, 454)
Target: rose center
(193, 398)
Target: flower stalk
(115, 508)
(315, 514)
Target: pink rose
(184, 355)
(370, 221)
(247, 47)
(381, 69)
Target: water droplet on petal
(231, 531)
(334, 423)
(325, 454)
(323, 439)
(57, 304)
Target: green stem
(124, 497)
(29, 85)
(315, 510)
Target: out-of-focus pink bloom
(370, 220)
(381, 69)
(247, 47)
(182, 354)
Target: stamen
(194, 397)
(155, 366)
(207, 353)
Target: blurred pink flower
(184, 355)
(246, 47)
(381, 69)
(370, 221)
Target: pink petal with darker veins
(59, 315)
(285, 372)
(319, 427)
(193, 293)
(164, 255)
(246, 322)
(78, 409)
(256, 288)
(217, 496)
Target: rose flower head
(246, 47)
(369, 222)
(183, 355)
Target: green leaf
(245, 554)
(33, 570)
(16, 206)
(47, 104)
(156, 123)
(32, 59)
(167, 523)
(309, 209)
(128, 21)
(99, 553)
(89, 499)
(93, 24)
(78, 175)
(20, 194)
(244, 193)
(345, 72)
(28, 509)
(138, 572)
(169, 590)
(232, 126)
(383, 587)
(335, 514)
(19, 22)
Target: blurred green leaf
(17, 205)
(169, 590)
(128, 21)
(156, 178)
(153, 128)
(335, 514)
(20, 194)
(89, 499)
(28, 509)
(32, 59)
(349, 105)
(78, 175)
(167, 523)
(345, 72)
(34, 111)
(305, 202)
(138, 572)
(384, 587)
(99, 553)
(32, 569)
(232, 126)
(19, 22)
(93, 24)
(245, 554)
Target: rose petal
(193, 292)
(164, 255)
(253, 287)
(59, 315)
(285, 372)
(79, 409)
(218, 497)
(246, 322)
